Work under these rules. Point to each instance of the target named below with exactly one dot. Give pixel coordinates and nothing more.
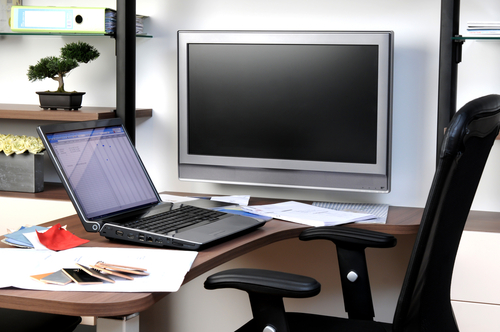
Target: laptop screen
(103, 170)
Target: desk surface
(401, 220)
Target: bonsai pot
(60, 100)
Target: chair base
(301, 322)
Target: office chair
(28, 321)
(424, 302)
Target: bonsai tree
(56, 68)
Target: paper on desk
(175, 199)
(380, 211)
(307, 214)
(167, 268)
(35, 242)
(241, 200)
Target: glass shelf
(476, 38)
(66, 34)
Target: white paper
(35, 241)
(167, 268)
(175, 199)
(241, 200)
(307, 214)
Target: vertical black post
(125, 64)
(449, 57)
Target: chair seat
(300, 322)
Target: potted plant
(57, 68)
(21, 163)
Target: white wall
(416, 25)
(415, 81)
(478, 76)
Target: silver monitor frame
(291, 173)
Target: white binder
(60, 19)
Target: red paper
(57, 238)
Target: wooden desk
(401, 220)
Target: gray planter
(21, 172)
(60, 100)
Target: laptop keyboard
(168, 221)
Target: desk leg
(118, 324)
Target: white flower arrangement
(11, 144)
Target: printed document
(167, 268)
(307, 214)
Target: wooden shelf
(481, 37)
(67, 34)
(34, 112)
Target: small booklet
(81, 277)
(95, 273)
(57, 278)
(113, 273)
(122, 268)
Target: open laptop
(113, 193)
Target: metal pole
(125, 64)
(449, 57)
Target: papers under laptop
(114, 195)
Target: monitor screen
(293, 109)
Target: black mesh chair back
(424, 303)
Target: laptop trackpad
(219, 229)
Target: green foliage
(50, 67)
(56, 68)
(80, 51)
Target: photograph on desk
(114, 195)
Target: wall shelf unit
(125, 39)
(450, 55)
(111, 35)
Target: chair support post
(268, 310)
(357, 294)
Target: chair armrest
(349, 237)
(265, 282)
(351, 244)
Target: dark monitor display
(293, 109)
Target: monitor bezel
(236, 169)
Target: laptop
(114, 195)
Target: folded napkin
(57, 238)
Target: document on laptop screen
(103, 170)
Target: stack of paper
(110, 20)
(380, 211)
(307, 214)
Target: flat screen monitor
(301, 109)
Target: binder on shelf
(98, 20)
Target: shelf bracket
(457, 45)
